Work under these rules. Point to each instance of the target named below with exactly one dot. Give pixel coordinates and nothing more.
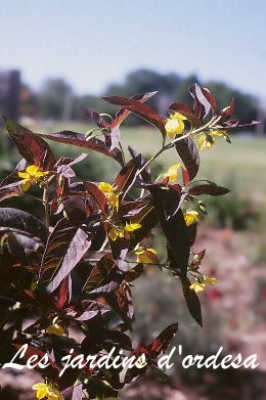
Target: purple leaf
(94, 117)
(106, 276)
(212, 190)
(123, 113)
(85, 310)
(162, 342)
(71, 254)
(146, 173)
(121, 302)
(7, 192)
(203, 101)
(63, 237)
(175, 230)
(19, 220)
(73, 392)
(126, 177)
(192, 300)
(140, 109)
(31, 146)
(173, 200)
(189, 154)
(97, 195)
(148, 218)
(134, 273)
(184, 109)
(77, 139)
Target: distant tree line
(57, 100)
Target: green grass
(239, 166)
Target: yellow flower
(132, 227)
(111, 195)
(145, 255)
(199, 285)
(208, 140)
(172, 173)
(191, 217)
(175, 125)
(55, 329)
(116, 232)
(32, 175)
(44, 390)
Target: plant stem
(162, 149)
(122, 152)
(46, 207)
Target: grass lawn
(240, 166)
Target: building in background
(10, 94)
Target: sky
(93, 43)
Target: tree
(54, 98)
(182, 94)
(29, 103)
(245, 105)
(146, 80)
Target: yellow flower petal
(197, 287)
(55, 329)
(106, 188)
(41, 388)
(26, 184)
(191, 217)
(146, 255)
(113, 201)
(110, 194)
(132, 227)
(54, 394)
(23, 175)
(115, 232)
(46, 390)
(175, 125)
(172, 172)
(32, 170)
(32, 175)
(213, 281)
(208, 140)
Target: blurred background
(56, 56)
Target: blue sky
(91, 43)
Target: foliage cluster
(70, 267)
(57, 99)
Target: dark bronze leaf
(212, 190)
(32, 147)
(189, 154)
(175, 230)
(77, 139)
(140, 109)
(192, 300)
(21, 221)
